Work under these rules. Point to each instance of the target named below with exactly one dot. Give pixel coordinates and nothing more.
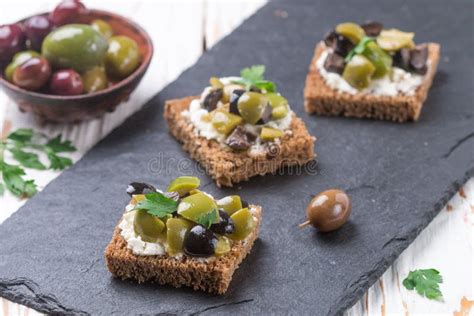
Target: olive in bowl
(83, 90)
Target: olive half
(199, 242)
(140, 188)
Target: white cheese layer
(400, 82)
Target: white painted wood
(177, 28)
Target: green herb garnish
(253, 77)
(208, 219)
(359, 48)
(425, 282)
(24, 145)
(157, 204)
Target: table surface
(446, 244)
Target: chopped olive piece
(418, 58)
(199, 242)
(147, 226)
(234, 99)
(137, 198)
(251, 106)
(245, 204)
(216, 83)
(380, 59)
(372, 28)
(225, 225)
(340, 44)
(230, 204)
(358, 72)
(176, 231)
(279, 112)
(238, 139)
(212, 99)
(228, 89)
(266, 114)
(172, 195)
(268, 133)
(183, 184)
(193, 206)
(393, 40)
(225, 122)
(276, 99)
(222, 246)
(140, 188)
(334, 63)
(244, 224)
(401, 59)
(351, 30)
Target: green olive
(352, 31)
(225, 122)
(183, 185)
(76, 46)
(94, 79)
(123, 56)
(279, 112)
(216, 83)
(393, 40)
(358, 72)
(251, 106)
(379, 58)
(193, 206)
(222, 246)
(176, 230)
(230, 204)
(18, 59)
(244, 224)
(276, 100)
(147, 226)
(103, 28)
(269, 133)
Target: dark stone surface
(399, 177)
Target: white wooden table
(178, 29)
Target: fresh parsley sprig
(425, 282)
(253, 77)
(24, 145)
(157, 204)
(207, 219)
(359, 48)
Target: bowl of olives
(73, 63)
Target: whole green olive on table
(328, 210)
(123, 56)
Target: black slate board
(399, 177)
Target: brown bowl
(65, 109)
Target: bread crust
(324, 100)
(228, 167)
(213, 276)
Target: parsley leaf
(21, 135)
(2, 189)
(209, 218)
(12, 176)
(157, 204)
(27, 159)
(425, 282)
(359, 48)
(58, 146)
(253, 77)
(58, 162)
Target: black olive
(244, 203)
(340, 44)
(234, 99)
(372, 28)
(212, 98)
(418, 57)
(225, 226)
(334, 63)
(140, 188)
(330, 38)
(401, 59)
(238, 139)
(266, 115)
(199, 242)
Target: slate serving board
(399, 177)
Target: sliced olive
(238, 139)
(372, 28)
(230, 204)
(222, 246)
(418, 58)
(225, 224)
(251, 106)
(352, 31)
(340, 44)
(379, 58)
(199, 242)
(334, 63)
(147, 226)
(234, 98)
(183, 184)
(225, 122)
(269, 133)
(140, 188)
(276, 99)
(212, 99)
(401, 59)
(193, 206)
(266, 115)
(228, 89)
(244, 224)
(393, 40)
(176, 231)
(358, 72)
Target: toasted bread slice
(228, 167)
(212, 276)
(324, 100)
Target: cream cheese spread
(400, 82)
